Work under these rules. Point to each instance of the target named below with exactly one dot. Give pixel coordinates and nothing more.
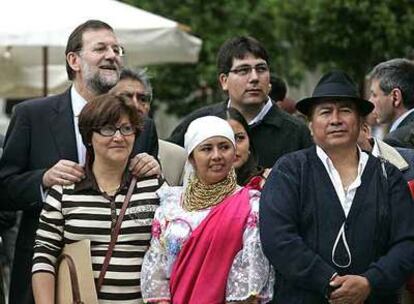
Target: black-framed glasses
(245, 70)
(110, 130)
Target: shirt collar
(363, 159)
(78, 102)
(259, 117)
(400, 119)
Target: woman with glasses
(205, 244)
(109, 125)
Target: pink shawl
(201, 269)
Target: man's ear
(73, 60)
(310, 128)
(397, 99)
(223, 81)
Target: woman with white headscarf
(205, 245)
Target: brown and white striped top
(80, 211)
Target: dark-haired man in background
(243, 68)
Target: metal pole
(45, 58)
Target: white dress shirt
(78, 102)
(261, 114)
(346, 197)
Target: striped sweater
(80, 211)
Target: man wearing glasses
(243, 66)
(137, 86)
(43, 145)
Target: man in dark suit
(43, 146)
(392, 92)
(243, 67)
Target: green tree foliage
(353, 35)
(181, 85)
(300, 35)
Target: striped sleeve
(49, 235)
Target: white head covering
(201, 129)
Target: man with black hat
(336, 222)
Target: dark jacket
(41, 132)
(7, 218)
(408, 155)
(403, 136)
(301, 215)
(277, 134)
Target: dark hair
(103, 110)
(239, 47)
(396, 73)
(138, 75)
(279, 88)
(250, 167)
(75, 40)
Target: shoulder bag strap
(74, 282)
(115, 233)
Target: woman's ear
(191, 160)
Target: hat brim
(305, 105)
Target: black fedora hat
(335, 85)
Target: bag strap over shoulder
(76, 297)
(115, 233)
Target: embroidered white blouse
(250, 273)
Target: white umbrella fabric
(34, 33)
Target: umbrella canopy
(28, 27)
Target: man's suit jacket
(41, 133)
(7, 218)
(403, 136)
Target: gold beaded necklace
(200, 196)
